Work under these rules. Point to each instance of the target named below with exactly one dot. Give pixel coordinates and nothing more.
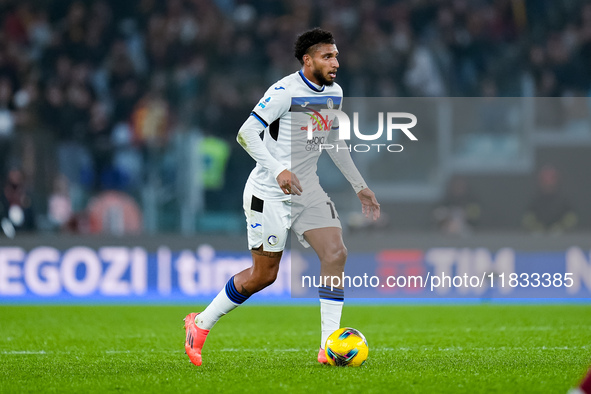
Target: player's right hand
(369, 205)
(289, 183)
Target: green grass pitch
(488, 348)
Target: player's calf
(263, 272)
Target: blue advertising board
(132, 273)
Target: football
(346, 347)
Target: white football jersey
(284, 112)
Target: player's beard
(320, 78)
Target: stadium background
(120, 173)
(145, 98)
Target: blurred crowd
(90, 91)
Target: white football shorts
(268, 222)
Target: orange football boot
(194, 339)
(322, 356)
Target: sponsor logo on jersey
(263, 103)
(314, 143)
(319, 122)
(256, 225)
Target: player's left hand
(369, 204)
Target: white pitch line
(231, 349)
(15, 352)
(501, 328)
(291, 350)
(461, 349)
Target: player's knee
(336, 257)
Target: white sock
(226, 300)
(330, 317)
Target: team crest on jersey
(329, 103)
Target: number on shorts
(331, 209)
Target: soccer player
(283, 190)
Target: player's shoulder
(283, 85)
(277, 98)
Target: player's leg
(261, 274)
(317, 224)
(328, 244)
(586, 383)
(267, 232)
(584, 387)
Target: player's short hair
(310, 38)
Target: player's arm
(273, 105)
(342, 159)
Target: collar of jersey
(310, 84)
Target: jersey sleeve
(342, 158)
(271, 107)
